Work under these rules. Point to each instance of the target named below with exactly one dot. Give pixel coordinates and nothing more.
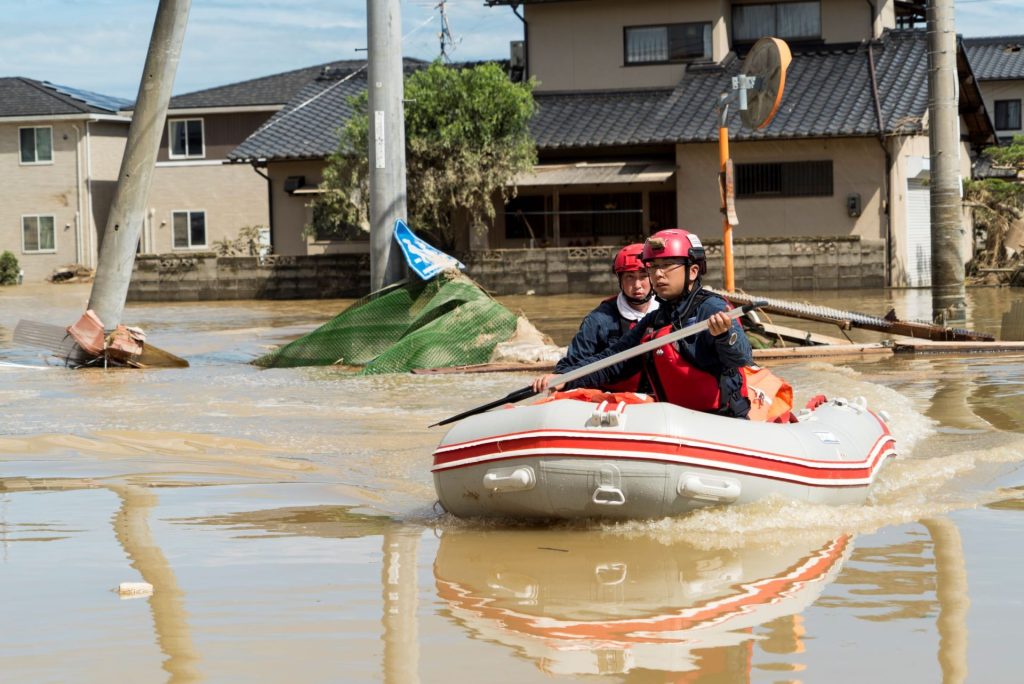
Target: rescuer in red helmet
(701, 372)
(603, 326)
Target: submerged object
(566, 458)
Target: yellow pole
(723, 158)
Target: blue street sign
(426, 260)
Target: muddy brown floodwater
(285, 519)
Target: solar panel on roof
(108, 102)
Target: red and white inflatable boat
(566, 458)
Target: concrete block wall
(761, 265)
(203, 276)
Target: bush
(8, 269)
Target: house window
(784, 179)
(787, 20)
(1007, 115)
(189, 229)
(38, 234)
(583, 219)
(529, 217)
(36, 145)
(186, 138)
(667, 43)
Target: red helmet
(675, 243)
(628, 259)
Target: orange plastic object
(596, 396)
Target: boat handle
(607, 495)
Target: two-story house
(60, 150)
(998, 64)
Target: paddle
(527, 392)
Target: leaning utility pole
(128, 209)
(386, 139)
(948, 296)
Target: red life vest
(680, 381)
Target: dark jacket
(601, 328)
(707, 352)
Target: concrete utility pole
(128, 209)
(387, 139)
(948, 296)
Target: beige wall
(903, 149)
(292, 214)
(858, 167)
(59, 189)
(232, 195)
(579, 45)
(1001, 90)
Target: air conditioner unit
(293, 183)
(517, 54)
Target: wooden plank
(873, 349)
(802, 337)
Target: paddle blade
(518, 395)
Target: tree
(466, 141)
(999, 207)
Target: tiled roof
(276, 89)
(27, 97)
(307, 128)
(996, 58)
(827, 94)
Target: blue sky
(100, 45)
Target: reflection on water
(576, 604)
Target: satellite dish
(766, 63)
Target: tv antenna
(757, 90)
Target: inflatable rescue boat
(636, 458)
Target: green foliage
(1009, 155)
(8, 268)
(466, 141)
(246, 244)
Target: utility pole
(948, 295)
(128, 209)
(386, 139)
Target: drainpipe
(871, 19)
(78, 195)
(886, 188)
(88, 230)
(526, 43)
(270, 204)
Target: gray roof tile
(276, 89)
(27, 97)
(307, 128)
(828, 94)
(996, 58)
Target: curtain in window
(46, 233)
(30, 234)
(180, 229)
(750, 22)
(798, 20)
(647, 44)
